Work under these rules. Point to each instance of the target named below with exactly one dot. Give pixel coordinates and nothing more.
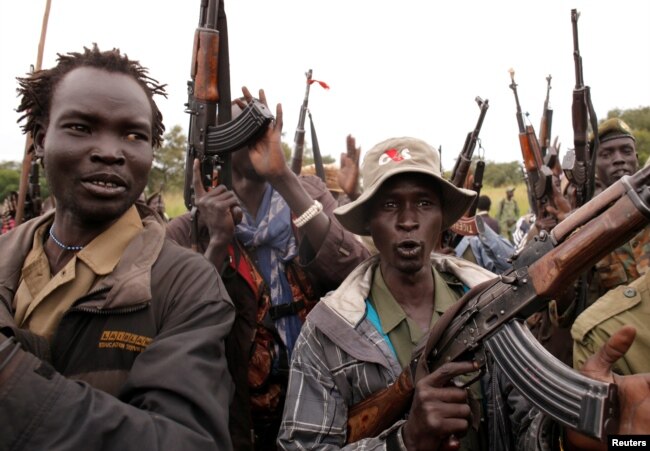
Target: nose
(108, 150)
(408, 219)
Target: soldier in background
(508, 213)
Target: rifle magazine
(574, 400)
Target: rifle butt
(377, 413)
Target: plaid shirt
(341, 359)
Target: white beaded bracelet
(308, 215)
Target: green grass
(175, 205)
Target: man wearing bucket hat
(358, 338)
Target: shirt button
(629, 292)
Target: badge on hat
(394, 155)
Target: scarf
(271, 235)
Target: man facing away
(111, 337)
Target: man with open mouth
(111, 336)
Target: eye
(81, 128)
(390, 204)
(135, 136)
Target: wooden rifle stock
(541, 271)
(539, 177)
(375, 414)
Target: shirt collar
(103, 253)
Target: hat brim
(455, 202)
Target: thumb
(600, 364)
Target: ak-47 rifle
(579, 163)
(299, 138)
(490, 320)
(212, 137)
(464, 161)
(539, 177)
(549, 152)
(466, 225)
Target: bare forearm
(289, 187)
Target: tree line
(168, 170)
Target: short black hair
(484, 203)
(36, 89)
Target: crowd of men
(117, 332)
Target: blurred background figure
(508, 213)
(9, 212)
(483, 210)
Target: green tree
(10, 179)
(639, 120)
(168, 171)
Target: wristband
(309, 214)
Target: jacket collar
(130, 282)
(348, 301)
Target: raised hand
(348, 176)
(266, 153)
(633, 390)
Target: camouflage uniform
(625, 264)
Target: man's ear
(38, 136)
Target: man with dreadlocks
(110, 336)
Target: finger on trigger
(196, 178)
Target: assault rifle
(539, 177)
(299, 137)
(549, 152)
(466, 225)
(489, 320)
(461, 167)
(579, 163)
(212, 137)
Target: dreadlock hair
(36, 90)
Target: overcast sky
(395, 67)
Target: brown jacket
(135, 364)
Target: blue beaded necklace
(60, 244)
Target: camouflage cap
(613, 128)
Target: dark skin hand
(633, 390)
(348, 176)
(440, 411)
(218, 208)
(267, 158)
(218, 211)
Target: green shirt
(623, 305)
(404, 333)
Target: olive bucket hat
(396, 156)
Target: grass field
(175, 205)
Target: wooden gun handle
(381, 410)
